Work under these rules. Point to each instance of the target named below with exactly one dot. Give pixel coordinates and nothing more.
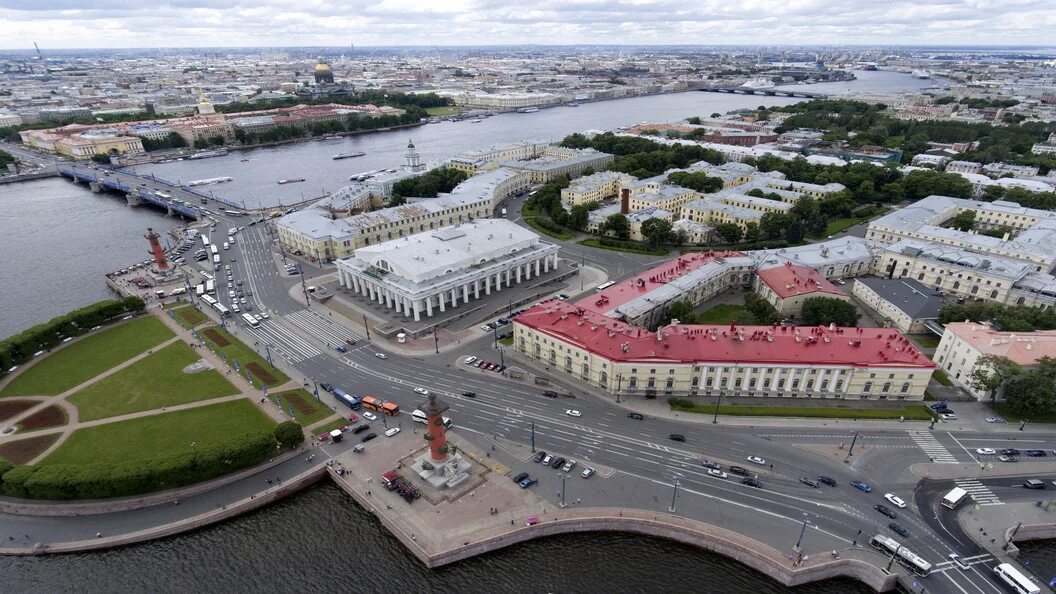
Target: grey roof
(913, 298)
(986, 263)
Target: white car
(392, 431)
(757, 460)
(370, 416)
(587, 473)
(469, 360)
(258, 317)
(717, 473)
(381, 355)
(895, 501)
(486, 328)
(421, 391)
(994, 420)
(265, 315)
(948, 417)
(573, 413)
(986, 451)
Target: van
(419, 417)
(1034, 484)
(227, 246)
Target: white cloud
(204, 23)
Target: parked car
(469, 360)
(326, 386)
(827, 480)
(558, 463)
(539, 456)
(360, 428)
(528, 482)
(520, 477)
(751, 482)
(568, 466)
(809, 482)
(938, 405)
(587, 473)
(368, 437)
(898, 529)
(677, 437)
(547, 459)
(994, 420)
(862, 486)
(948, 416)
(391, 431)
(738, 470)
(895, 500)
(887, 511)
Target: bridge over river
(141, 189)
(771, 91)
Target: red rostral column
(155, 248)
(436, 432)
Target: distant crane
(40, 56)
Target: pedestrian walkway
(287, 343)
(979, 492)
(931, 446)
(321, 327)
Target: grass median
(151, 383)
(189, 316)
(82, 360)
(306, 409)
(910, 412)
(534, 223)
(634, 249)
(261, 371)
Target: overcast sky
(232, 23)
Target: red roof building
(787, 286)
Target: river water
(57, 238)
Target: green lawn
(88, 357)
(507, 340)
(941, 377)
(237, 350)
(161, 435)
(926, 341)
(306, 410)
(151, 383)
(328, 427)
(910, 412)
(189, 316)
(562, 235)
(724, 313)
(1003, 410)
(442, 111)
(643, 249)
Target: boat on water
(290, 181)
(245, 160)
(477, 121)
(571, 105)
(332, 137)
(209, 181)
(920, 73)
(348, 155)
(207, 154)
(528, 110)
(758, 83)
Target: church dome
(321, 67)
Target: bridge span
(773, 92)
(138, 189)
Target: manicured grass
(441, 111)
(642, 249)
(189, 316)
(160, 435)
(530, 211)
(941, 377)
(153, 382)
(88, 357)
(910, 412)
(237, 350)
(838, 225)
(724, 313)
(1003, 410)
(927, 341)
(562, 235)
(306, 410)
(507, 340)
(173, 304)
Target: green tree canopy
(991, 373)
(618, 225)
(729, 232)
(289, 434)
(822, 311)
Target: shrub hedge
(118, 479)
(20, 347)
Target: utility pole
(533, 437)
(802, 529)
(619, 385)
(674, 494)
(850, 452)
(304, 287)
(436, 341)
(715, 418)
(1012, 536)
(365, 326)
(892, 560)
(563, 475)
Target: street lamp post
(715, 418)
(563, 475)
(495, 333)
(891, 561)
(436, 341)
(850, 452)
(674, 494)
(315, 390)
(365, 326)
(533, 437)
(802, 529)
(619, 386)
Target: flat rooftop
(911, 297)
(1022, 347)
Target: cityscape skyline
(69, 24)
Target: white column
(381, 294)
(487, 285)
(465, 293)
(441, 298)
(518, 269)
(388, 299)
(370, 289)
(776, 380)
(717, 382)
(454, 297)
(355, 283)
(476, 289)
(527, 271)
(417, 313)
(498, 281)
(746, 382)
(537, 268)
(546, 264)
(429, 306)
(507, 277)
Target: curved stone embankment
(23, 507)
(288, 487)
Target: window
(867, 387)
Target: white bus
(904, 556)
(954, 498)
(214, 249)
(209, 300)
(205, 240)
(220, 307)
(604, 286)
(1016, 580)
(234, 213)
(200, 290)
(210, 286)
(216, 259)
(250, 320)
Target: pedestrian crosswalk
(321, 327)
(931, 446)
(978, 491)
(290, 345)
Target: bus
(216, 260)
(200, 290)
(390, 408)
(253, 323)
(604, 286)
(209, 300)
(210, 287)
(954, 498)
(214, 249)
(1015, 579)
(205, 240)
(904, 556)
(347, 399)
(222, 309)
(371, 403)
(234, 213)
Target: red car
(350, 342)
(352, 417)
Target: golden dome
(320, 67)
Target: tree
(695, 120)
(761, 310)
(991, 373)
(1032, 394)
(578, 217)
(716, 115)
(729, 232)
(699, 181)
(772, 225)
(964, 221)
(657, 231)
(822, 311)
(101, 159)
(751, 231)
(618, 225)
(289, 434)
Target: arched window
(975, 289)
(586, 371)
(1020, 301)
(993, 294)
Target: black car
(520, 477)
(887, 511)
(809, 482)
(360, 428)
(550, 394)
(677, 437)
(1035, 453)
(738, 471)
(469, 394)
(898, 529)
(710, 464)
(751, 482)
(827, 480)
(368, 437)
(558, 463)
(539, 456)
(635, 416)
(1010, 452)
(326, 386)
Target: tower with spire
(412, 161)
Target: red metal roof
(785, 345)
(791, 280)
